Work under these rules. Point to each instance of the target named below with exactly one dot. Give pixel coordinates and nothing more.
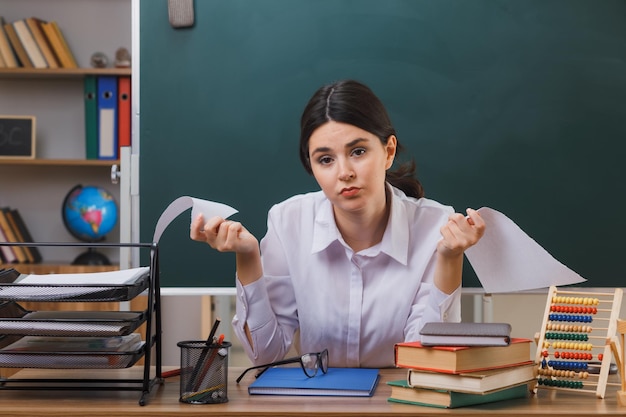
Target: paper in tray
(97, 286)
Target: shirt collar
(395, 242)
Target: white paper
(207, 208)
(72, 285)
(506, 259)
(122, 277)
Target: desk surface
(163, 401)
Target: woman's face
(349, 164)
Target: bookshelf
(37, 187)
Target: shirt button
(445, 316)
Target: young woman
(353, 268)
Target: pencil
(205, 351)
(173, 372)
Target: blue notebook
(342, 382)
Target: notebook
(466, 334)
(342, 382)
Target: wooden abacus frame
(578, 306)
(620, 358)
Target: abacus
(568, 341)
(621, 363)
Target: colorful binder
(124, 116)
(91, 116)
(107, 117)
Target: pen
(208, 363)
(205, 351)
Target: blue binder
(107, 117)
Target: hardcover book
(401, 392)
(5, 48)
(35, 26)
(29, 44)
(465, 334)
(343, 382)
(457, 359)
(25, 232)
(14, 40)
(478, 382)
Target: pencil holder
(203, 372)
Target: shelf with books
(60, 72)
(55, 95)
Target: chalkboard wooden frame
(17, 136)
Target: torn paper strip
(207, 208)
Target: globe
(89, 214)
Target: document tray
(71, 360)
(74, 292)
(15, 320)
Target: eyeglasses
(309, 362)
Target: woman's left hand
(460, 232)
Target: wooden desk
(163, 401)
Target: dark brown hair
(354, 103)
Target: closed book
(124, 111)
(107, 117)
(8, 256)
(472, 382)
(344, 382)
(66, 46)
(6, 50)
(91, 116)
(457, 359)
(34, 24)
(401, 392)
(8, 213)
(16, 44)
(29, 43)
(63, 55)
(465, 334)
(25, 232)
(9, 233)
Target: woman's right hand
(223, 235)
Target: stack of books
(13, 229)
(451, 376)
(34, 43)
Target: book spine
(25, 232)
(57, 45)
(10, 236)
(22, 56)
(34, 24)
(10, 61)
(28, 41)
(64, 43)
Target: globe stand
(91, 257)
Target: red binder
(123, 105)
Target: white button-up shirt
(357, 305)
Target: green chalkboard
(514, 105)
